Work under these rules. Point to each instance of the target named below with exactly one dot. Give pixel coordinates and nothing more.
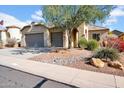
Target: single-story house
(9, 32)
(39, 35)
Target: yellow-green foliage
(83, 42)
(92, 44)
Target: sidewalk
(76, 77)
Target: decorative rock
(97, 62)
(116, 64)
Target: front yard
(75, 58)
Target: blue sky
(23, 14)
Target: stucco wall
(96, 31)
(83, 30)
(3, 37)
(65, 39)
(34, 29)
(47, 38)
(15, 33)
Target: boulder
(116, 64)
(97, 62)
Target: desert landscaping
(77, 58)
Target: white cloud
(28, 21)
(11, 20)
(117, 12)
(110, 21)
(39, 13)
(37, 16)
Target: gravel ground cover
(63, 57)
(76, 58)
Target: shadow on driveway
(29, 50)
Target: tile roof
(13, 26)
(117, 32)
(94, 27)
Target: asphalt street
(11, 78)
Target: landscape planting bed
(76, 58)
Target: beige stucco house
(39, 35)
(14, 32)
(9, 32)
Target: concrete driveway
(22, 52)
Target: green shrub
(107, 53)
(83, 42)
(92, 44)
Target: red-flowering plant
(116, 43)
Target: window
(96, 36)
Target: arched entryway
(74, 38)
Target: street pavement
(10, 78)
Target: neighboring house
(14, 32)
(39, 35)
(121, 36)
(9, 32)
(116, 32)
(95, 32)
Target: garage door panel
(35, 40)
(57, 39)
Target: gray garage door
(57, 39)
(35, 40)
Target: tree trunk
(69, 39)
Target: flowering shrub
(116, 43)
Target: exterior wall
(4, 37)
(65, 39)
(101, 32)
(77, 39)
(83, 30)
(36, 29)
(23, 43)
(47, 39)
(15, 33)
